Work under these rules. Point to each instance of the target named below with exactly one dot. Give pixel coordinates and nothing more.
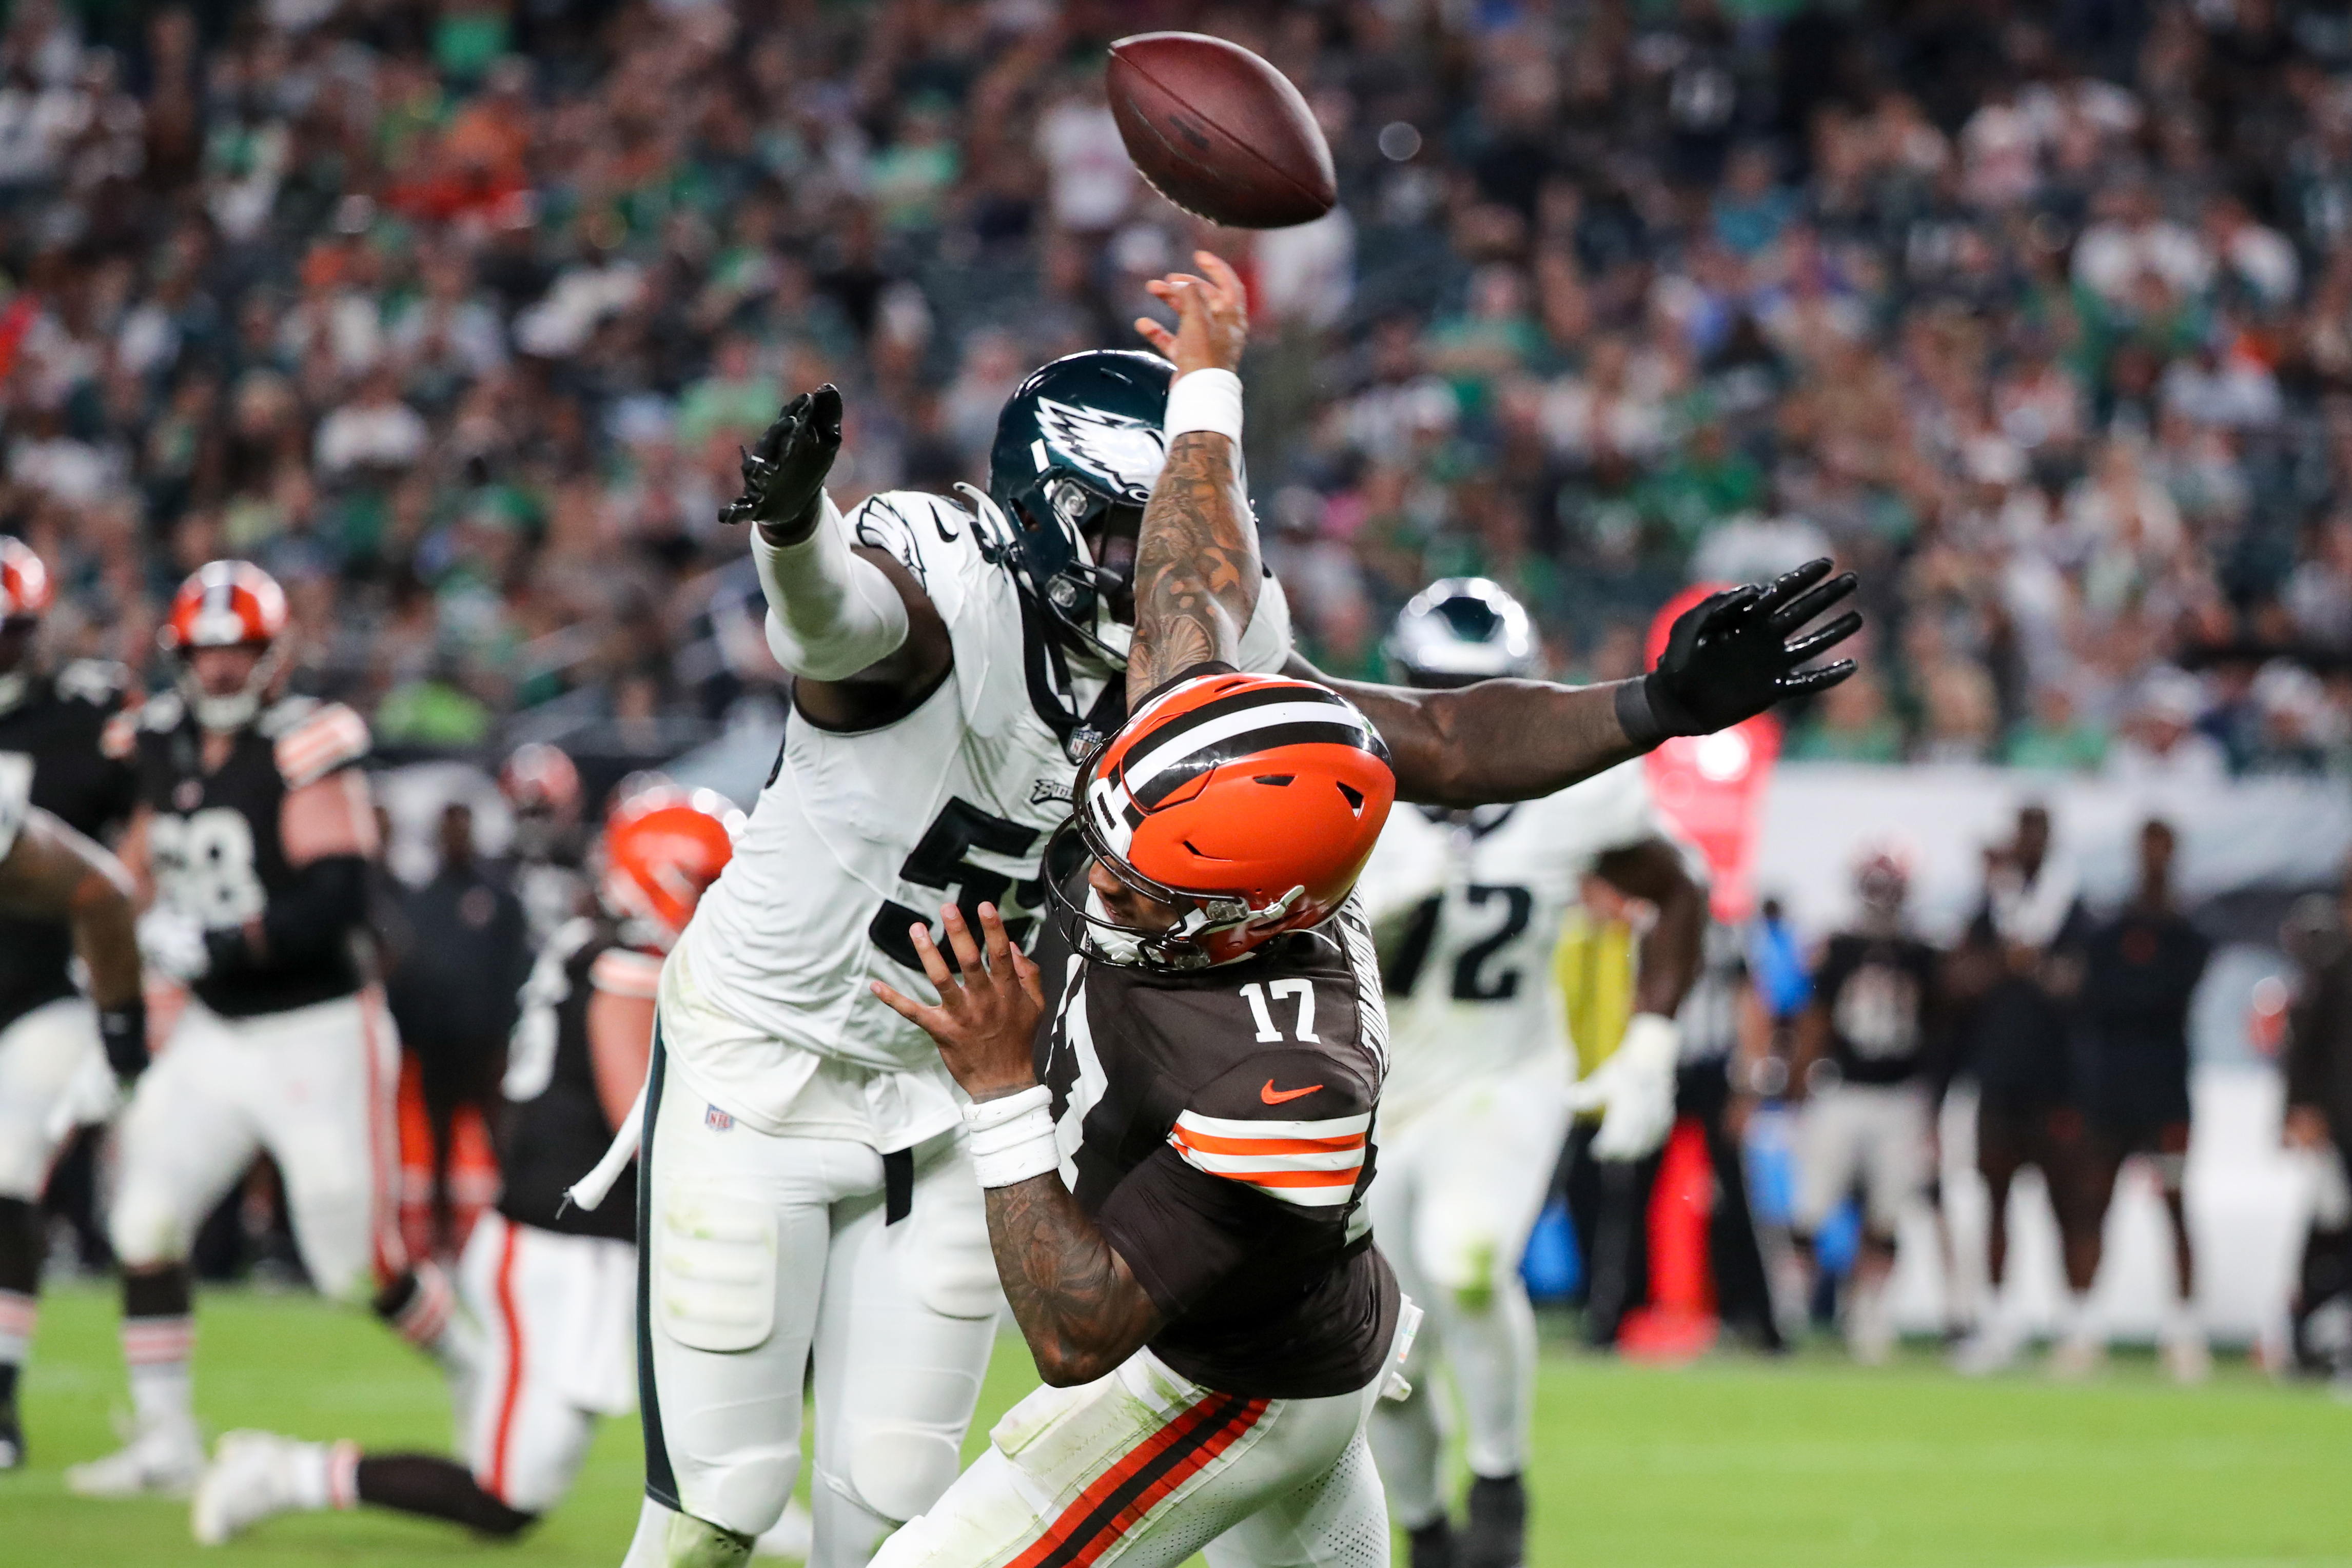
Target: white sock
(157, 1352)
(18, 1312)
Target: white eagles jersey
(858, 835)
(1468, 907)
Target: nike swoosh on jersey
(1274, 1095)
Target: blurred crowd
(454, 315)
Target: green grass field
(1731, 1462)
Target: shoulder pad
(912, 527)
(100, 682)
(627, 972)
(323, 738)
(1291, 1123)
(162, 713)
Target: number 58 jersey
(859, 835)
(1467, 907)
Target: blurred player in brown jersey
(554, 1284)
(254, 829)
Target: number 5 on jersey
(1261, 1009)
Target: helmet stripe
(1257, 695)
(1213, 753)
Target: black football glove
(1734, 654)
(783, 476)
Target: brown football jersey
(1218, 1125)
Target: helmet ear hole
(1354, 798)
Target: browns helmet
(663, 847)
(1250, 802)
(226, 604)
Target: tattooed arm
(1196, 561)
(1078, 1304)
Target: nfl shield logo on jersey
(716, 1120)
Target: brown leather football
(1219, 132)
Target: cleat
(2077, 1360)
(1986, 1352)
(1433, 1545)
(250, 1479)
(160, 1462)
(2187, 1359)
(1495, 1534)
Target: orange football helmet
(1252, 801)
(226, 604)
(25, 589)
(663, 847)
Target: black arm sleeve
(307, 922)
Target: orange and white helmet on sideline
(226, 604)
(26, 588)
(663, 846)
(1251, 802)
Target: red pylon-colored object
(1679, 1323)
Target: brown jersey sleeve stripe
(1122, 1496)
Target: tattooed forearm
(1080, 1310)
(1499, 740)
(1196, 564)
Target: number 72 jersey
(1467, 907)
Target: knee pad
(146, 1227)
(715, 1268)
(691, 1542)
(898, 1471)
(1461, 1263)
(751, 1493)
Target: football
(1219, 132)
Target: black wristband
(124, 1032)
(228, 949)
(1635, 716)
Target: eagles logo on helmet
(1077, 450)
(1248, 802)
(226, 604)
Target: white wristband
(1208, 400)
(1013, 1137)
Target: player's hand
(1212, 317)
(2306, 1128)
(783, 475)
(987, 1016)
(1634, 1089)
(171, 943)
(1735, 654)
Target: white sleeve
(15, 797)
(831, 612)
(1265, 641)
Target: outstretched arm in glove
(1729, 657)
(850, 623)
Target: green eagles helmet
(1078, 448)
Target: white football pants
(1144, 1467)
(1460, 1185)
(313, 1087)
(757, 1251)
(41, 1054)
